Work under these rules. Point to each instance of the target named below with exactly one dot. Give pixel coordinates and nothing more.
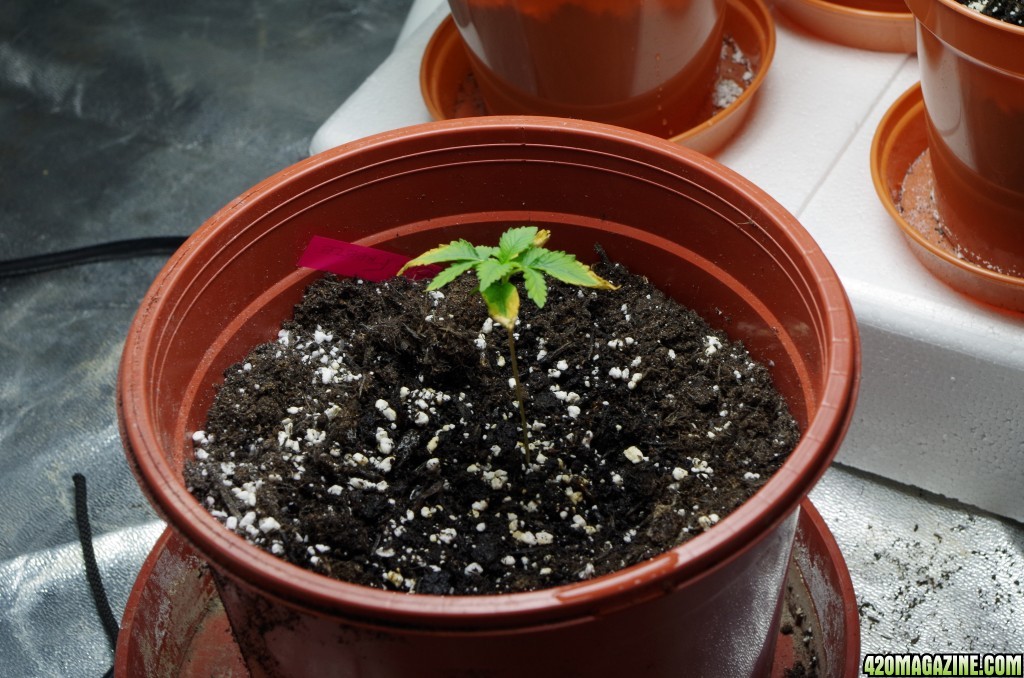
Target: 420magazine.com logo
(943, 665)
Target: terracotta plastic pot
(972, 78)
(174, 623)
(450, 90)
(612, 61)
(699, 231)
(902, 173)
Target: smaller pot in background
(972, 79)
(649, 65)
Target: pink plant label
(356, 261)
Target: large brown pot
(699, 231)
(972, 79)
(644, 64)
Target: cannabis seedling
(520, 251)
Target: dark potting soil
(377, 440)
(1010, 11)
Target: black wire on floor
(92, 571)
(117, 249)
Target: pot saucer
(174, 623)
(865, 24)
(901, 170)
(449, 90)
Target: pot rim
(740, 530)
(882, 30)
(975, 36)
(847, 11)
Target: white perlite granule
(726, 92)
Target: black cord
(92, 571)
(117, 249)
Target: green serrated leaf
(566, 268)
(487, 251)
(490, 271)
(531, 255)
(536, 287)
(502, 301)
(457, 250)
(514, 241)
(449, 274)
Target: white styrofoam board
(943, 386)
(943, 377)
(390, 98)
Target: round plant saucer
(449, 90)
(174, 623)
(902, 174)
(878, 25)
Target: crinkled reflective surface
(930, 575)
(125, 119)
